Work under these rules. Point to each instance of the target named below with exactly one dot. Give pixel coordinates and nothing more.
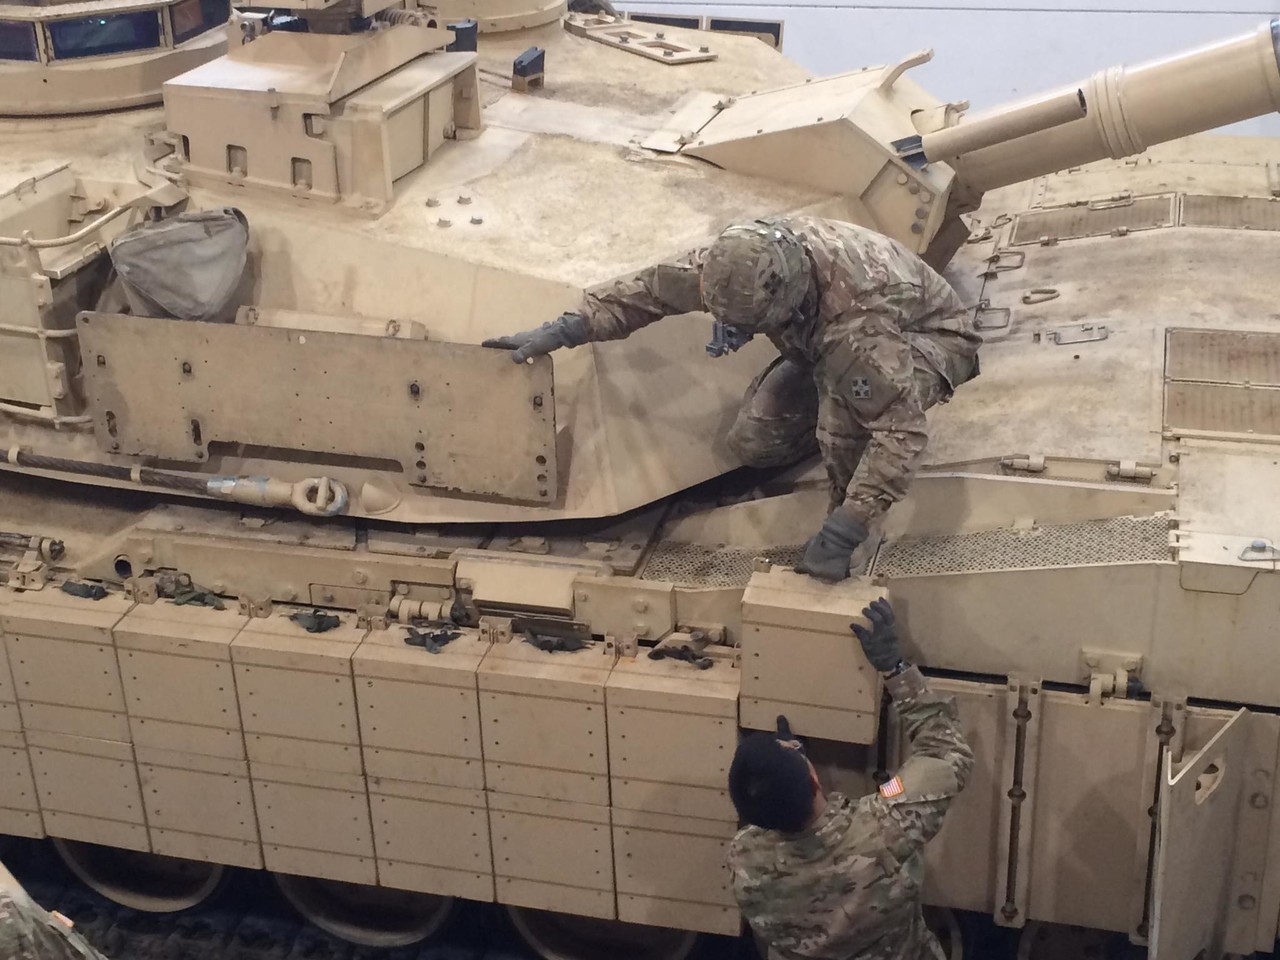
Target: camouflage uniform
(849, 886)
(880, 338)
(27, 932)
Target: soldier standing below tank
(28, 932)
(869, 337)
(825, 877)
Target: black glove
(880, 642)
(826, 555)
(567, 330)
(315, 621)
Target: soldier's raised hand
(880, 640)
(567, 330)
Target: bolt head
(444, 222)
(476, 221)
(1258, 546)
(640, 606)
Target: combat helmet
(755, 275)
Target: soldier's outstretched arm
(916, 800)
(615, 310)
(913, 803)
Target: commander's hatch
(1199, 804)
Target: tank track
(247, 920)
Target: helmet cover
(754, 276)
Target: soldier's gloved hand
(826, 555)
(786, 736)
(567, 330)
(880, 640)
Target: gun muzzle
(1126, 110)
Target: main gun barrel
(1126, 110)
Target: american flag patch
(891, 788)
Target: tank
(328, 590)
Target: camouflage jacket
(875, 314)
(27, 932)
(849, 886)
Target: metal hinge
(1166, 734)
(1029, 464)
(256, 608)
(1111, 675)
(1022, 720)
(1111, 202)
(1130, 470)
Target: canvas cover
(188, 267)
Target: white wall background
(990, 54)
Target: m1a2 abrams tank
(331, 591)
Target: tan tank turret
(381, 118)
(279, 587)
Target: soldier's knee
(759, 444)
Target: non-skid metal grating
(1121, 540)
(693, 563)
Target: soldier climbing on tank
(28, 932)
(822, 876)
(869, 338)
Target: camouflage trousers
(778, 420)
(27, 932)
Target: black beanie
(770, 784)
